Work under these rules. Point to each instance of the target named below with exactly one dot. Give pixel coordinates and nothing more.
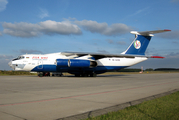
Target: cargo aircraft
(86, 64)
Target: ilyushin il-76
(86, 64)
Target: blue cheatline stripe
(54, 68)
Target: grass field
(164, 108)
(2, 72)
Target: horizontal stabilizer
(149, 33)
(157, 57)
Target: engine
(75, 63)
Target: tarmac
(58, 98)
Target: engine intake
(75, 63)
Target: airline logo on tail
(137, 44)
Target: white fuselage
(38, 62)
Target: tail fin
(141, 41)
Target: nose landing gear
(41, 74)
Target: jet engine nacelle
(75, 63)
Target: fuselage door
(40, 64)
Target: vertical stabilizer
(141, 41)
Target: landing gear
(41, 74)
(77, 75)
(93, 75)
(58, 74)
(86, 75)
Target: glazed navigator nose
(10, 64)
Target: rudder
(141, 41)
(139, 45)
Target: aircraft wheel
(77, 75)
(60, 74)
(93, 75)
(85, 75)
(49, 74)
(40, 74)
(46, 74)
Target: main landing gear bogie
(86, 75)
(41, 74)
(47, 74)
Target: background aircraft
(86, 64)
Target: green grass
(164, 108)
(3, 72)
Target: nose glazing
(10, 64)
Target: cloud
(6, 57)
(173, 55)
(4, 60)
(43, 13)
(103, 51)
(3, 4)
(48, 27)
(104, 28)
(64, 28)
(0, 33)
(23, 51)
(110, 41)
(175, 42)
(170, 61)
(158, 63)
(21, 29)
(113, 42)
(140, 11)
(169, 35)
(175, 0)
(121, 42)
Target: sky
(97, 26)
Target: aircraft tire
(85, 75)
(93, 75)
(77, 75)
(40, 74)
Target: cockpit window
(20, 57)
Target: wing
(97, 56)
